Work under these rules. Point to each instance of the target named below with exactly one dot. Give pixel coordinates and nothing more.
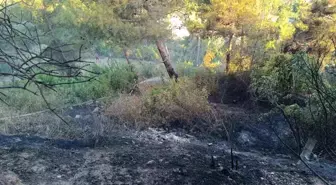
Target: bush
(207, 79)
(240, 64)
(119, 78)
(182, 101)
(178, 101)
(273, 79)
(112, 79)
(186, 68)
(297, 87)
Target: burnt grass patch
(146, 158)
(175, 154)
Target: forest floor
(155, 156)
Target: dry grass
(126, 107)
(45, 125)
(184, 100)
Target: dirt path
(146, 157)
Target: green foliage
(273, 78)
(23, 101)
(145, 52)
(149, 69)
(186, 68)
(297, 86)
(294, 111)
(252, 33)
(281, 75)
(120, 77)
(112, 79)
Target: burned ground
(155, 156)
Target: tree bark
(228, 54)
(198, 50)
(166, 59)
(126, 54)
(242, 42)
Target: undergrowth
(111, 80)
(185, 100)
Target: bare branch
(28, 59)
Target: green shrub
(301, 79)
(112, 79)
(186, 68)
(145, 52)
(120, 77)
(273, 78)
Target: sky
(178, 29)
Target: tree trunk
(165, 58)
(228, 54)
(126, 54)
(198, 50)
(242, 42)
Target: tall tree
(128, 22)
(248, 20)
(226, 18)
